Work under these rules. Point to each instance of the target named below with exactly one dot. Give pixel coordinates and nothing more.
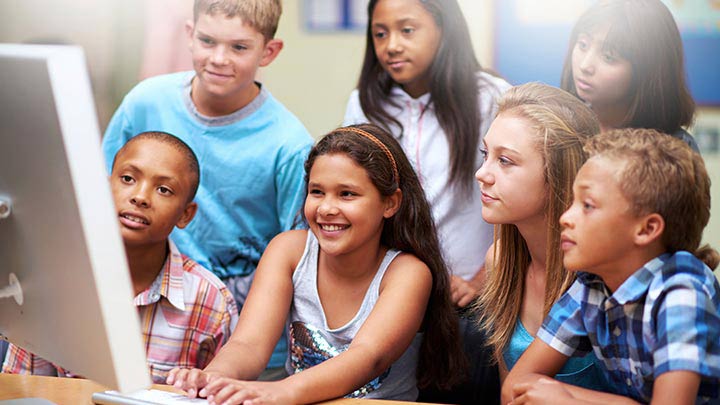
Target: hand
(228, 391)
(541, 391)
(191, 380)
(462, 292)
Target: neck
(218, 106)
(145, 264)
(617, 273)
(535, 235)
(611, 116)
(355, 265)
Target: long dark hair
(453, 88)
(412, 230)
(645, 34)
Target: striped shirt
(186, 315)
(663, 318)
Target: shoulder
(201, 284)
(353, 111)
(407, 270)
(281, 118)
(490, 85)
(288, 246)
(684, 269)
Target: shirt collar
(635, 286)
(397, 91)
(168, 283)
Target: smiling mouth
(333, 228)
(135, 219)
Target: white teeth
(135, 219)
(332, 227)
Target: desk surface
(75, 391)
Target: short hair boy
(642, 302)
(186, 312)
(251, 148)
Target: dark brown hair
(661, 174)
(412, 230)
(644, 33)
(453, 88)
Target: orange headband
(380, 145)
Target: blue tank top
(579, 371)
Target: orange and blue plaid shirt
(186, 315)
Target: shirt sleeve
(291, 189)
(563, 329)
(687, 330)
(20, 361)
(118, 131)
(353, 112)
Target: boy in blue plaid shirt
(646, 306)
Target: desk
(76, 391)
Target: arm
(21, 361)
(291, 188)
(382, 339)
(261, 321)
(464, 292)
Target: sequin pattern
(308, 347)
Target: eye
(239, 47)
(379, 34)
(581, 44)
(587, 206)
(205, 40)
(407, 30)
(347, 194)
(483, 153)
(504, 161)
(314, 191)
(609, 57)
(164, 190)
(127, 179)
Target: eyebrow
(396, 22)
(133, 168)
(204, 34)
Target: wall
(313, 75)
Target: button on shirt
(186, 315)
(663, 318)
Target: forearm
(238, 360)
(586, 396)
(336, 377)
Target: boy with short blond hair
(642, 302)
(251, 148)
(186, 312)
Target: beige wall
(313, 75)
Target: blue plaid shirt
(663, 318)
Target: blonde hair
(661, 174)
(561, 124)
(263, 15)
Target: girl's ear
(650, 229)
(187, 215)
(392, 203)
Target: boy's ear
(271, 51)
(650, 228)
(189, 26)
(187, 215)
(392, 204)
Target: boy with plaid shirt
(186, 312)
(646, 306)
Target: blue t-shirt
(579, 371)
(251, 171)
(663, 318)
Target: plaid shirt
(663, 318)
(186, 315)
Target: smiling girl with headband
(365, 291)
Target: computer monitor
(59, 235)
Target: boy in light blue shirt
(644, 304)
(251, 148)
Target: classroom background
(324, 45)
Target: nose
(566, 219)
(483, 174)
(140, 197)
(219, 55)
(587, 62)
(394, 43)
(328, 207)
